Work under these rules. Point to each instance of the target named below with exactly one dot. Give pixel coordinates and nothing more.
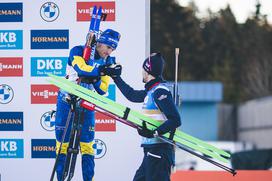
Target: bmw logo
(49, 11)
(100, 148)
(6, 94)
(48, 122)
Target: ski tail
(93, 18)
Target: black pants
(156, 165)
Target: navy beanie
(154, 64)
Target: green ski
(137, 118)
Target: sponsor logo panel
(44, 94)
(11, 148)
(11, 66)
(11, 39)
(49, 39)
(6, 94)
(47, 121)
(104, 123)
(43, 148)
(100, 148)
(84, 11)
(41, 66)
(49, 11)
(11, 121)
(11, 12)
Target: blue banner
(11, 12)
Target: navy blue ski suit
(158, 104)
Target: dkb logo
(11, 39)
(11, 148)
(41, 66)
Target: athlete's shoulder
(77, 50)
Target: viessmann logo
(84, 11)
(41, 66)
(11, 121)
(11, 39)
(43, 148)
(11, 66)
(44, 94)
(11, 12)
(104, 123)
(49, 39)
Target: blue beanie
(110, 38)
(154, 64)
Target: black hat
(154, 64)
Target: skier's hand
(146, 132)
(113, 70)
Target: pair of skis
(135, 119)
(78, 118)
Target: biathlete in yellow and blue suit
(97, 73)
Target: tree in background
(215, 48)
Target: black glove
(90, 80)
(146, 132)
(113, 70)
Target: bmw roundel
(6, 94)
(49, 11)
(48, 121)
(100, 148)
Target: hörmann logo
(11, 66)
(44, 94)
(11, 148)
(11, 12)
(11, 121)
(11, 39)
(43, 148)
(41, 66)
(49, 39)
(84, 11)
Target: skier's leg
(140, 173)
(62, 112)
(158, 164)
(86, 146)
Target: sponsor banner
(11, 12)
(41, 66)
(49, 11)
(84, 11)
(11, 66)
(6, 94)
(11, 148)
(11, 121)
(100, 148)
(44, 94)
(11, 39)
(104, 123)
(49, 39)
(48, 121)
(43, 148)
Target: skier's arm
(164, 101)
(76, 60)
(102, 85)
(131, 94)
